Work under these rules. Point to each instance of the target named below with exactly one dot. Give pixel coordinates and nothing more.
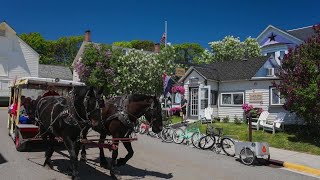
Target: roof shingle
(54, 71)
(232, 70)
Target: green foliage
(231, 48)
(226, 119)
(143, 45)
(237, 120)
(124, 44)
(187, 52)
(94, 68)
(300, 85)
(59, 52)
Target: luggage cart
(248, 151)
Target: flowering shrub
(94, 68)
(255, 112)
(175, 110)
(178, 89)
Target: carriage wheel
(18, 138)
(247, 156)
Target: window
(271, 53)
(275, 98)
(4, 85)
(232, 99)
(281, 55)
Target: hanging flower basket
(178, 89)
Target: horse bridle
(85, 103)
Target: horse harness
(123, 115)
(69, 112)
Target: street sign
(180, 71)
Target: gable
(193, 74)
(272, 35)
(270, 63)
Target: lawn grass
(176, 119)
(280, 140)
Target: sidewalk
(297, 161)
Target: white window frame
(271, 96)
(232, 101)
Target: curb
(296, 167)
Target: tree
(66, 49)
(187, 52)
(60, 52)
(124, 44)
(144, 44)
(95, 67)
(231, 48)
(300, 84)
(206, 57)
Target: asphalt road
(152, 160)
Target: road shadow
(85, 171)
(2, 159)
(137, 173)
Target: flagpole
(165, 30)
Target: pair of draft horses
(71, 117)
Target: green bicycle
(192, 132)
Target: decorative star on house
(272, 37)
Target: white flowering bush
(231, 48)
(206, 57)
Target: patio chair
(277, 124)
(207, 115)
(260, 121)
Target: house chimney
(87, 37)
(157, 48)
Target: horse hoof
(105, 165)
(83, 158)
(121, 162)
(47, 164)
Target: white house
(225, 86)
(17, 59)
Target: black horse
(66, 117)
(118, 120)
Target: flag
(167, 85)
(163, 38)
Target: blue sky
(199, 21)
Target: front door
(194, 100)
(204, 98)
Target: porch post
(250, 127)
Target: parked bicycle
(191, 133)
(215, 141)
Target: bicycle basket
(214, 130)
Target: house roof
(54, 71)
(230, 70)
(302, 33)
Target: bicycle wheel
(167, 135)
(195, 139)
(227, 145)
(207, 142)
(247, 156)
(178, 136)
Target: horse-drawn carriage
(69, 113)
(24, 92)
